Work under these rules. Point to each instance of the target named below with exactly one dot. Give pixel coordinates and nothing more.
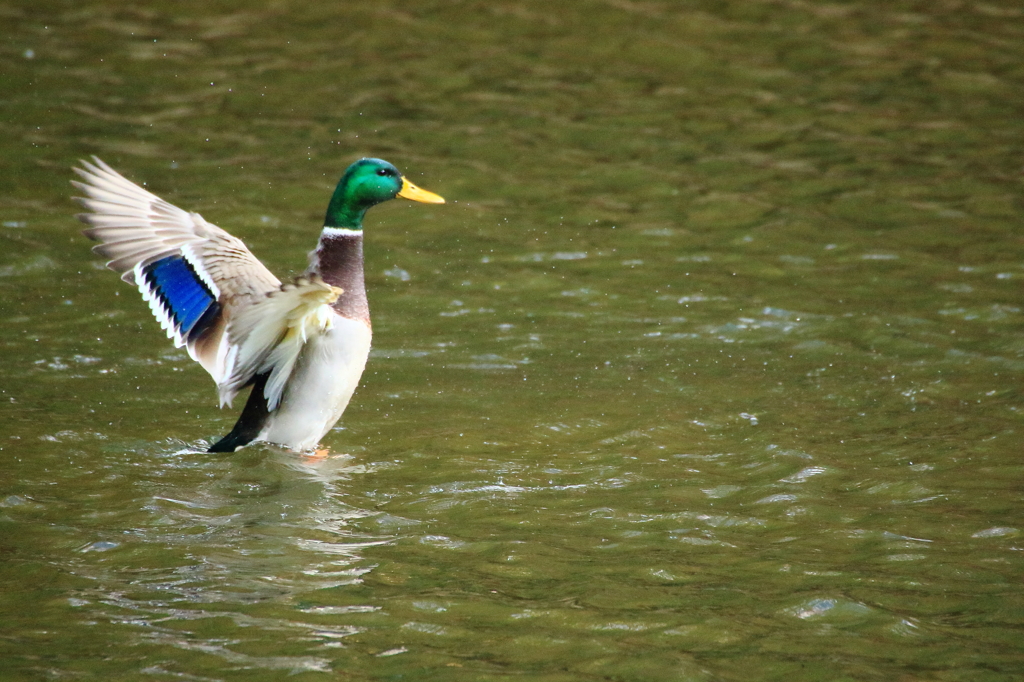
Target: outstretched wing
(195, 276)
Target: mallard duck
(301, 345)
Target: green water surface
(710, 369)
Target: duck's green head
(366, 183)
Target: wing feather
(270, 334)
(195, 276)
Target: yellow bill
(411, 191)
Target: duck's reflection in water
(232, 548)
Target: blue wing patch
(186, 299)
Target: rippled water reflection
(710, 369)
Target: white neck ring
(340, 232)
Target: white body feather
(322, 381)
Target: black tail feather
(250, 422)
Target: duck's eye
(383, 172)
